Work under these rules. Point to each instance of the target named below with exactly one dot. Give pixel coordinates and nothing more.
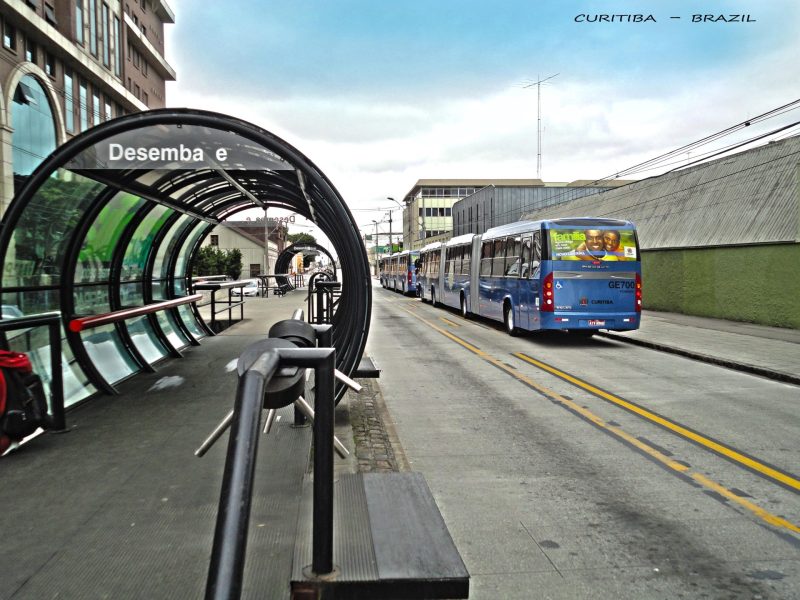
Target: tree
(210, 260)
(233, 263)
(301, 238)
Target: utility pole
(377, 273)
(390, 223)
(538, 85)
(266, 242)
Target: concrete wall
(757, 284)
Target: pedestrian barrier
(416, 560)
(323, 297)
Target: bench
(390, 542)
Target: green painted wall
(757, 284)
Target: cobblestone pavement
(377, 447)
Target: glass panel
(168, 246)
(145, 339)
(108, 353)
(180, 265)
(35, 342)
(94, 260)
(131, 294)
(139, 247)
(158, 289)
(180, 286)
(37, 244)
(91, 299)
(165, 320)
(191, 322)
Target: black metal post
(324, 362)
(59, 420)
(230, 535)
(322, 537)
(213, 308)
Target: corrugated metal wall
(748, 198)
(495, 205)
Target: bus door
(527, 297)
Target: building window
(106, 50)
(145, 98)
(93, 26)
(136, 89)
(50, 14)
(83, 105)
(117, 48)
(95, 108)
(144, 68)
(79, 21)
(255, 269)
(69, 108)
(214, 240)
(9, 37)
(30, 50)
(108, 116)
(34, 134)
(49, 64)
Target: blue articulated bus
(445, 272)
(428, 271)
(402, 277)
(578, 275)
(383, 271)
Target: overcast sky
(380, 93)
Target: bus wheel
(463, 306)
(508, 319)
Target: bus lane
(694, 490)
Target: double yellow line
(785, 479)
(624, 436)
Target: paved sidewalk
(772, 352)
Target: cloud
(593, 126)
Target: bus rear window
(601, 243)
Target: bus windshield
(593, 243)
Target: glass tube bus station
(96, 251)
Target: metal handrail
(52, 320)
(79, 324)
(226, 569)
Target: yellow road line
(616, 431)
(730, 453)
(449, 322)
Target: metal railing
(52, 320)
(323, 296)
(79, 324)
(228, 305)
(230, 535)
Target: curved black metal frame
(285, 257)
(303, 188)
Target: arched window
(34, 136)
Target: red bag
(23, 406)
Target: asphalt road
(593, 468)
